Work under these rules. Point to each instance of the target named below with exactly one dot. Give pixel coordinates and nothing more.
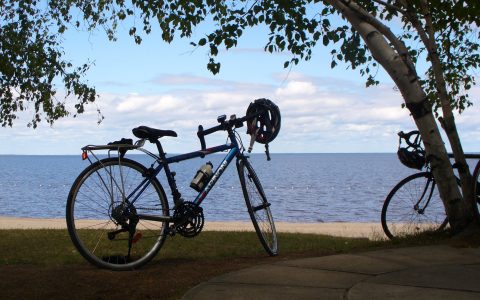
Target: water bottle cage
(202, 177)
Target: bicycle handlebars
(224, 125)
(407, 136)
(417, 146)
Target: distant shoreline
(342, 229)
(255, 153)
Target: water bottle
(202, 177)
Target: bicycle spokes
(413, 206)
(117, 211)
(105, 227)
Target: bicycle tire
(93, 213)
(476, 191)
(258, 207)
(399, 216)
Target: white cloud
(296, 88)
(187, 79)
(166, 104)
(317, 116)
(358, 127)
(390, 113)
(133, 102)
(223, 100)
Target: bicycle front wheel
(413, 206)
(476, 191)
(258, 207)
(102, 214)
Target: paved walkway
(430, 272)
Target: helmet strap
(253, 136)
(267, 152)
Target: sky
(168, 86)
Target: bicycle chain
(144, 208)
(189, 219)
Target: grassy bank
(41, 264)
(53, 247)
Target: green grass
(54, 247)
(37, 256)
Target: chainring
(188, 219)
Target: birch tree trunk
(427, 36)
(404, 75)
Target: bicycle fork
(417, 207)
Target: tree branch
(250, 9)
(391, 6)
(398, 45)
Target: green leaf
(325, 40)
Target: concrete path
(430, 272)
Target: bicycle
(413, 205)
(117, 212)
(476, 189)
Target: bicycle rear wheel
(104, 225)
(258, 206)
(413, 206)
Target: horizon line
(220, 153)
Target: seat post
(177, 196)
(161, 153)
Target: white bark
(404, 75)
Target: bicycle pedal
(171, 231)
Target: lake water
(301, 187)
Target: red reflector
(84, 155)
(137, 237)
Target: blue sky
(167, 86)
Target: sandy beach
(367, 230)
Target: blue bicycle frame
(164, 162)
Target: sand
(367, 230)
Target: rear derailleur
(126, 218)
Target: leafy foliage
(32, 63)
(457, 37)
(32, 60)
(455, 25)
(298, 26)
(294, 26)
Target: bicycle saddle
(144, 132)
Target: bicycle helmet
(265, 122)
(412, 156)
